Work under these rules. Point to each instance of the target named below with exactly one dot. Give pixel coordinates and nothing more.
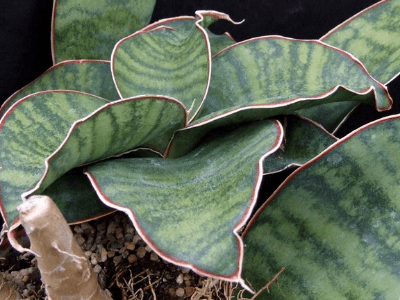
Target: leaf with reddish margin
(89, 76)
(304, 139)
(334, 223)
(171, 57)
(190, 209)
(373, 37)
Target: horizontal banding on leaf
(191, 134)
(61, 160)
(67, 75)
(171, 57)
(31, 129)
(372, 35)
(337, 217)
(76, 26)
(201, 174)
(274, 69)
(319, 156)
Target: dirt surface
(125, 266)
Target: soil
(125, 265)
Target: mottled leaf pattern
(164, 61)
(334, 224)
(29, 132)
(187, 138)
(86, 29)
(89, 76)
(276, 71)
(189, 209)
(373, 36)
(114, 129)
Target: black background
(25, 33)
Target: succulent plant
(177, 126)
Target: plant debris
(125, 266)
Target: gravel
(124, 264)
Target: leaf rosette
(179, 126)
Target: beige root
(7, 292)
(66, 272)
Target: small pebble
(125, 254)
(187, 277)
(78, 229)
(103, 254)
(132, 258)
(89, 242)
(24, 272)
(153, 256)
(102, 280)
(122, 249)
(25, 293)
(179, 279)
(189, 291)
(25, 279)
(117, 259)
(97, 269)
(148, 249)
(171, 291)
(141, 252)
(93, 259)
(111, 228)
(128, 237)
(119, 236)
(88, 253)
(188, 283)
(80, 240)
(88, 228)
(136, 239)
(130, 246)
(180, 292)
(111, 253)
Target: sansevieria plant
(177, 126)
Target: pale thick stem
(66, 272)
(7, 292)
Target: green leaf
(114, 129)
(190, 209)
(76, 198)
(373, 36)
(275, 72)
(330, 115)
(171, 57)
(334, 224)
(303, 141)
(172, 61)
(30, 131)
(219, 42)
(89, 76)
(187, 138)
(89, 29)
